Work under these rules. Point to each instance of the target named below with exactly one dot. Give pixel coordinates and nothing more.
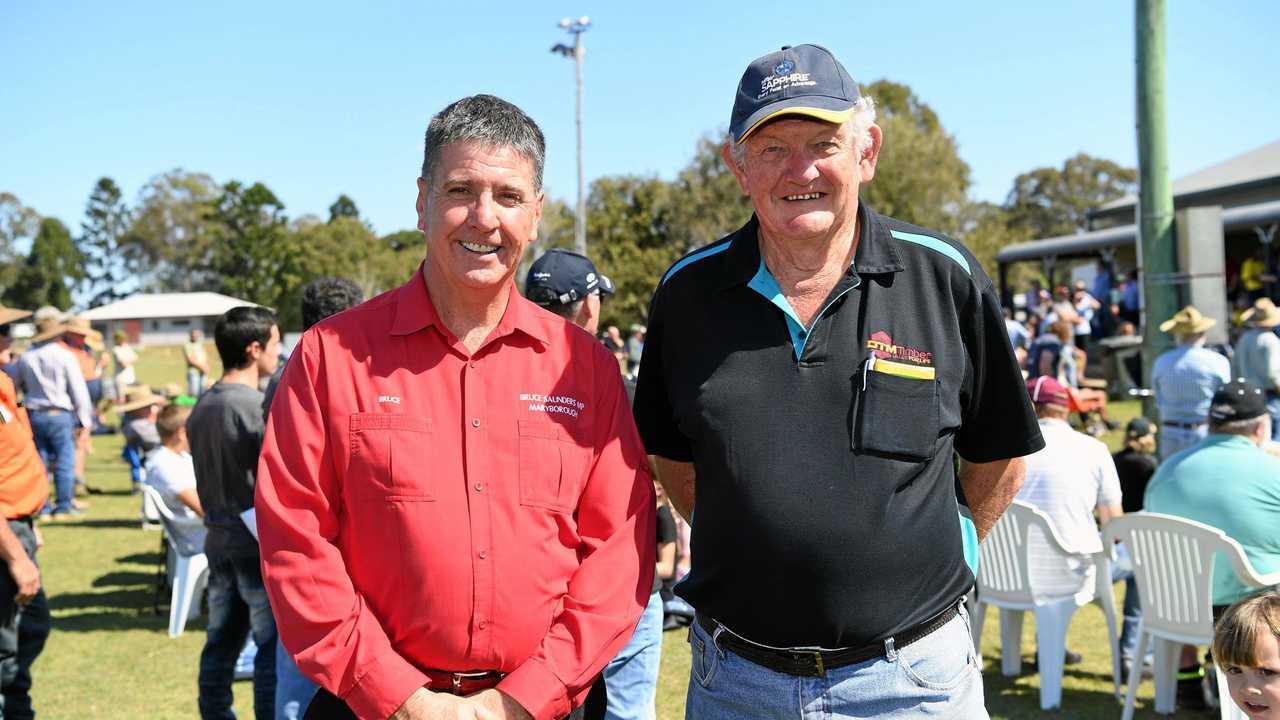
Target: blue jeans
(195, 382)
(936, 676)
(54, 434)
(293, 689)
(237, 605)
(632, 677)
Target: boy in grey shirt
(225, 432)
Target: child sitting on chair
(171, 472)
(1246, 645)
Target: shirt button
(483, 624)
(475, 422)
(479, 487)
(484, 554)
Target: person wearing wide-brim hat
(58, 404)
(138, 413)
(84, 342)
(1258, 355)
(1184, 380)
(8, 316)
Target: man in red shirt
(455, 511)
(24, 487)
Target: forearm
(989, 488)
(10, 547)
(677, 480)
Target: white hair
(859, 124)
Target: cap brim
(606, 286)
(1173, 326)
(826, 109)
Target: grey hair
(490, 121)
(568, 311)
(1238, 427)
(864, 115)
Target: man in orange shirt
(24, 486)
(83, 341)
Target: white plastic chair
(1004, 581)
(1173, 565)
(191, 567)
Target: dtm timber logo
(881, 345)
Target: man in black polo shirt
(815, 371)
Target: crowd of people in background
(1217, 427)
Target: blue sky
(320, 98)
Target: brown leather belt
(462, 683)
(813, 662)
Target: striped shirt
(1071, 476)
(1184, 380)
(50, 378)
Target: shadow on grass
(91, 523)
(125, 579)
(150, 558)
(129, 599)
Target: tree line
(186, 232)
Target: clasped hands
(484, 705)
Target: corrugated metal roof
(1252, 166)
(1088, 243)
(165, 305)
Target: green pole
(1157, 251)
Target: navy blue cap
(561, 277)
(1237, 400)
(801, 80)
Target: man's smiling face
(479, 213)
(803, 176)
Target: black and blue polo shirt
(826, 497)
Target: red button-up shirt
(421, 507)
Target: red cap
(1046, 390)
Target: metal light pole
(576, 28)
(1157, 249)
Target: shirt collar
(875, 254)
(414, 310)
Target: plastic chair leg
(187, 578)
(1166, 654)
(1011, 642)
(1107, 601)
(1135, 672)
(1052, 621)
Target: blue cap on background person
(802, 80)
(561, 277)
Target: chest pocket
(897, 410)
(388, 458)
(553, 468)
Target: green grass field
(109, 655)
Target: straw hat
(79, 325)
(47, 328)
(1263, 314)
(1187, 321)
(138, 396)
(8, 315)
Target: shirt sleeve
(321, 618)
(1271, 360)
(608, 592)
(653, 412)
(666, 526)
(1108, 479)
(998, 422)
(78, 390)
